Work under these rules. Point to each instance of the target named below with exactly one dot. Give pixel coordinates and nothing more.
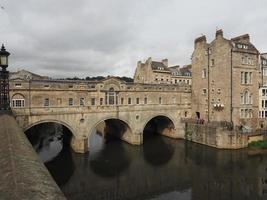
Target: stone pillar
(136, 139)
(79, 145)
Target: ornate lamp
(4, 85)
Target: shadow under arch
(158, 150)
(112, 127)
(51, 142)
(159, 124)
(50, 121)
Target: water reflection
(51, 141)
(162, 168)
(157, 150)
(111, 161)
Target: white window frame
(18, 103)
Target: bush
(258, 144)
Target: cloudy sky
(67, 38)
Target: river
(160, 169)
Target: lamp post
(4, 85)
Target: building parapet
(23, 176)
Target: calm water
(162, 168)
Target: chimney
(149, 60)
(200, 40)
(219, 33)
(139, 63)
(165, 62)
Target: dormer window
(242, 46)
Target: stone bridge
(113, 106)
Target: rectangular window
(82, 101)
(17, 84)
(46, 102)
(129, 101)
(265, 116)
(70, 86)
(137, 100)
(92, 101)
(71, 101)
(264, 71)
(212, 62)
(265, 104)
(18, 103)
(122, 101)
(250, 113)
(160, 100)
(246, 77)
(242, 114)
(59, 101)
(145, 100)
(101, 101)
(262, 103)
(263, 92)
(204, 73)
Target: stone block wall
(213, 136)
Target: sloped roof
(244, 39)
(186, 70)
(156, 65)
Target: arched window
(111, 96)
(18, 101)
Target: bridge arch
(161, 124)
(114, 126)
(50, 121)
(49, 138)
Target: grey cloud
(100, 37)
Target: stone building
(155, 72)
(225, 80)
(263, 91)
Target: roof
(157, 65)
(245, 40)
(26, 74)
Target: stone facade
(154, 72)
(263, 91)
(225, 80)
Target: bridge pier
(79, 145)
(135, 139)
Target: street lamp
(4, 85)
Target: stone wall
(213, 136)
(23, 176)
